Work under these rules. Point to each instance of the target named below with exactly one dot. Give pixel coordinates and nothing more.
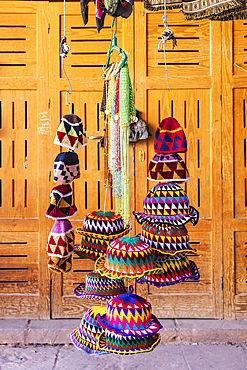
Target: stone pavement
(164, 357)
(174, 331)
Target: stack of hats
(99, 229)
(167, 209)
(129, 326)
(86, 336)
(61, 240)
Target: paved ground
(164, 357)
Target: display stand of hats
(61, 239)
(167, 209)
(132, 329)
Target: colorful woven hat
(104, 223)
(100, 288)
(167, 168)
(86, 336)
(70, 133)
(62, 203)
(170, 137)
(129, 315)
(127, 345)
(61, 240)
(126, 258)
(167, 203)
(66, 167)
(171, 241)
(58, 264)
(99, 229)
(175, 269)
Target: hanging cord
(166, 35)
(64, 50)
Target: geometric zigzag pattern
(84, 253)
(175, 240)
(99, 287)
(126, 257)
(61, 245)
(123, 345)
(166, 200)
(105, 223)
(167, 168)
(174, 269)
(170, 137)
(130, 315)
(70, 133)
(65, 174)
(58, 264)
(61, 203)
(86, 336)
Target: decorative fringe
(232, 7)
(156, 5)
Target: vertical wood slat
(228, 160)
(44, 139)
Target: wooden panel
(18, 45)
(241, 263)
(19, 271)
(240, 152)
(190, 56)
(239, 46)
(182, 306)
(18, 154)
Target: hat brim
(83, 345)
(154, 326)
(157, 246)
(100, 267)
(80, 231)
(102, 346)
(195, 275)
(79, 292)
(181, 181)
(88, 254)
(177, 220)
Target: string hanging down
(166, 35)
(64, 50)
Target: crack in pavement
(56, 358)
(187, 362)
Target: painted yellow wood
(234, 169)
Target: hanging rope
(64, 50)
(166, 35)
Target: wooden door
(84, 68)
(234, 92)
(24, 185)
(194, 73)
